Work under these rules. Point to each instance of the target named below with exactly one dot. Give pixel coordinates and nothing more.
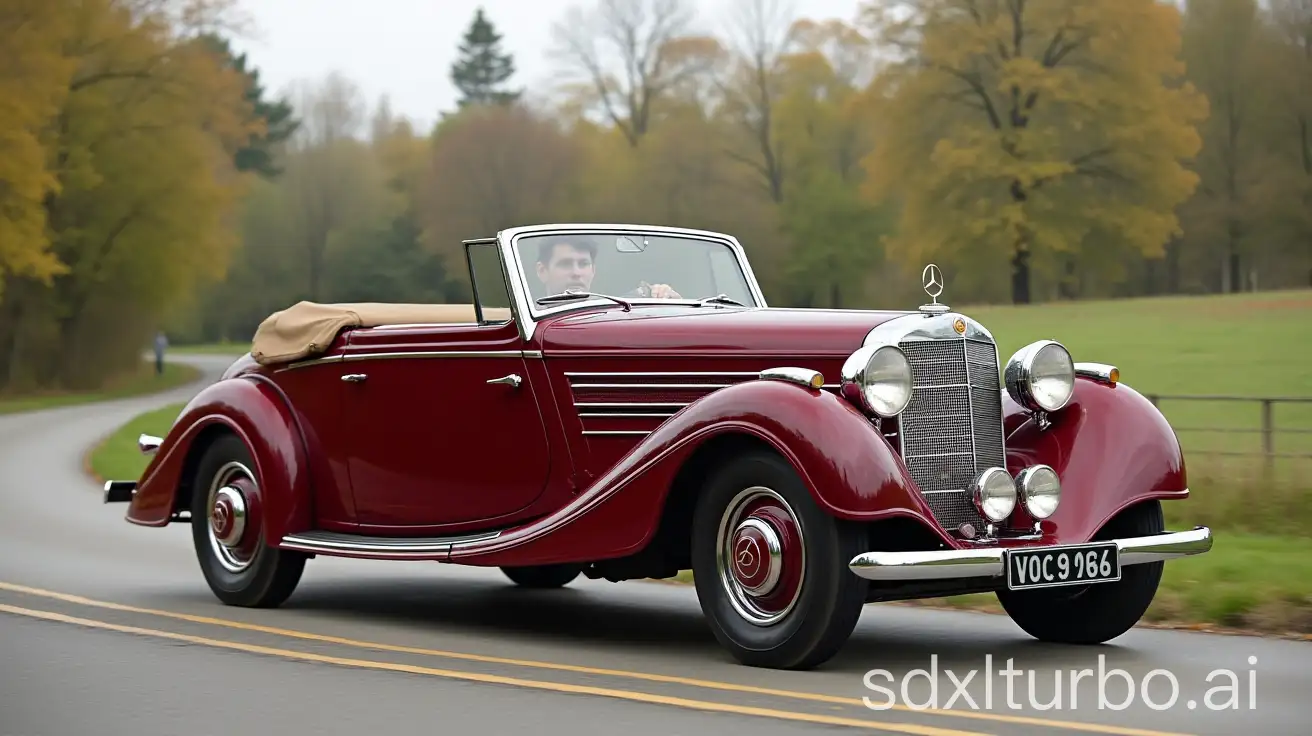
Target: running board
(379, 548)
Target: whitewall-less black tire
(770, 566)
(228, 534)
(1096, 613)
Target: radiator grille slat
(952, 428)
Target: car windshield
(631, 266)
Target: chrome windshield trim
(528, 315)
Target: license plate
(1050, 567)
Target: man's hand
(663, 291)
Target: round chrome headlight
(994, 494)
(878, 378)
(1041, 376)
(1040, 490)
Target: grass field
(117, 456)
(1243, 345)
(143, 381)
(1259, 574)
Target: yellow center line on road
(581, 669)
(641, 697)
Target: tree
(1230, 54)
(482, 69)
(34, 77)
(331, 174)
(133, 236)
(490, 168)
(276, 120)
(1025, 129)
(653, 50)
(1293, 21)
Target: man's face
(569, 268)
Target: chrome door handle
(510, 380)
(353, 377)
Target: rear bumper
(983, 563)
(120, 491)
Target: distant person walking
(161, 344)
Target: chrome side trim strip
(355, 357)
(628, 405)
(973, 563)
(652, 374)
(622, 415)
(650, 385)
(352, 357)
(399, 548)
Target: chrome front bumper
(984, 563)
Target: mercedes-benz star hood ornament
(932, 279)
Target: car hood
(685, 330)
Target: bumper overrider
(994, 562)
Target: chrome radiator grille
(952, 428)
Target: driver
(563, 265)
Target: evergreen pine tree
(279, 117)
(482, 68)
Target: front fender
(252, 408)
(1111, 447)
(849, 468)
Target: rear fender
(849, 468)
(1111, 447)
(252, 408)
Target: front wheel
(770, 566)
(228, 533)
(1093, 614)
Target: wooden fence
(1281, 424)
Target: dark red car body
(309, 430)
(596, 458)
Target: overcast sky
(404, 48)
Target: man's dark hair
(549, 246)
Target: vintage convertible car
(576, 419)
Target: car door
(444, 425)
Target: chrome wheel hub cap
(228, 516)
(228, 503)
(761, 556)
(757, 556)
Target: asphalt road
(109, 628)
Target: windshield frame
(529, 312)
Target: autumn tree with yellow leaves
(1023, 133)
(120, 124)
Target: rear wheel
(542, 576)
(1093, 614)
(228, 533)
(770, 566)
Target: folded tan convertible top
(307, 328)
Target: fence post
(1268, 435)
